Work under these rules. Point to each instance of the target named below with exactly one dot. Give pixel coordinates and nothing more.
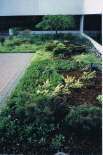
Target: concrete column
(10, 32)
(81, 23)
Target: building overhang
(49, 7)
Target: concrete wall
(44, 7)
(70, 6)
(18, 7)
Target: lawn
(57, 104)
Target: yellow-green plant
(44, 89)
(88, 75)
(61, 89)
(48, 89)
(72, 82)
(100, 98)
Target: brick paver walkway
(12, 67)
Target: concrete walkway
(12, 67)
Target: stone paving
(12, 67)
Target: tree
(56, 22)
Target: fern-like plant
(72, 82)
(88, 76)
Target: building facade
(45, 7)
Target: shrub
(61, 65)
(77, 48)
(4, 49)
(25, 48)
(61, 49)
(61, 56)
(68, 49)
(87, 59)
(12, 41)
(85, 119)
(87, 79)
(51, 45)
(58, 48)
(20, 44)
(57, 142)
(2, 40)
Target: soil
(85, 95)
(75, 73)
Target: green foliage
(14, 40)
(87, 79)
(56, 22)
(87, 59)
(85, 119)
(41, 42)
(88, 76)
(64, 48)
(49, 89)
(64, 89)
(61, 49)
(61, 56)
(2, 40)
(72, 82)
(100, 99)
(77, 48)
(57, 142)
(39, 116)
(25, 48)
(57, 48)
(65, 65)
(49, 46)
(30, 115)
(19, 44)
(68, 49)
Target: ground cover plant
(18, 45)
(57, 104)
(31, 43)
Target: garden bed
(57, 104)
(85, 95)
(30, 44)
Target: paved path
(12, 67)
